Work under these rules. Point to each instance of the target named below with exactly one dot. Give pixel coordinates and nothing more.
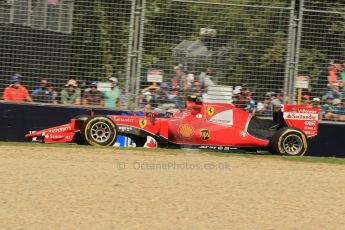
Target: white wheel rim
(100, 132)
(293, 144)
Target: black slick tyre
(99, 131)
(289, 141)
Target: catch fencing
(162, 51)
(320, 51)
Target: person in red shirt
(333, 82)
(16, 92)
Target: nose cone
(34, 134)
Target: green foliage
(100, 37)
(256, 39)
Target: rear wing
(302, 117)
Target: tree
(100, 38)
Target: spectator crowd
(171, 94)
(71, 94)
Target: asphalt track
(48, 187)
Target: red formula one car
(202, 125)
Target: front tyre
(289, 141)
(99, 131)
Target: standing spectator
(174, 84)
(71, 94)
(205, 77)
(112, 97)
(208, 81)
(187, 81)
(179, 71)
(15, 91)
(342, 76)
(333, 82)
(46, 95)
(180, 75)
(93, 96)
(209, 78)
(190, 78)
(332, 74)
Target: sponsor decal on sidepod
(186, 131)
(150, 142)
(224, 118)
(300, 116)
(204, 134)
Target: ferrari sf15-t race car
(203, 125)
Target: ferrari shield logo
(210, 110)
(204, 134)
(142, 123)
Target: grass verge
(306, 159)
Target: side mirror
(152, 116)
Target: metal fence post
(289, 53)
(129, 54)
(292, 61)
(139, 52)
(298, 44)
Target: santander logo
(300, 116)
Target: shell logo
(186, 131)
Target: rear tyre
(99, 131)
(289, 141)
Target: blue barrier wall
(18, 119)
